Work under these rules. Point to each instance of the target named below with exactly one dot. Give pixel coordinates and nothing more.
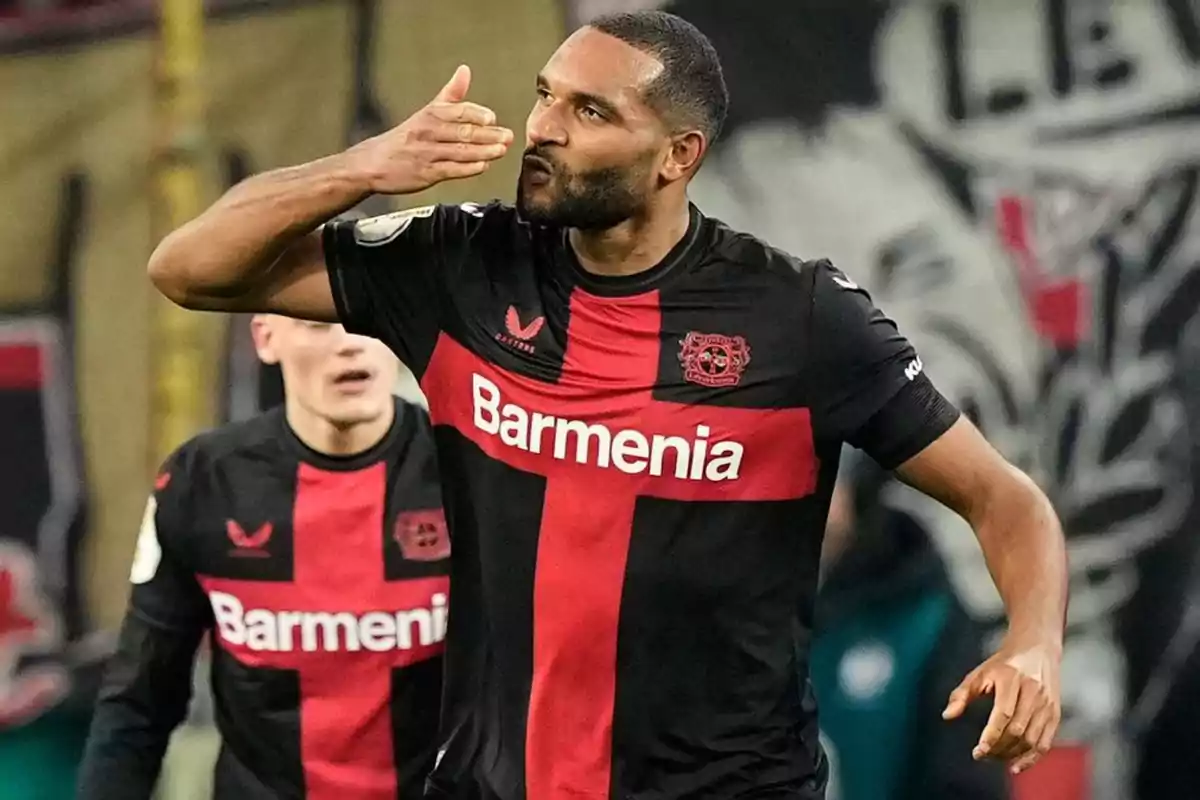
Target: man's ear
(684, 155)
(263, 333)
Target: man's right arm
(144, 697)
(258, 248)
(147, 684)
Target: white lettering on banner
(260, 629)
(630, 451)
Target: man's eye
(592, 113)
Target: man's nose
(545, 127)
(349, 344)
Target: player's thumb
(455, 90)
(960, 698)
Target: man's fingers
(1025, 762)
(470, 133)
(960, 698)
(1033, 738)
(1051, 730)
(1030, 700)
(1033, 744)
(453, 170)
(1002, 712)
(457, 87)
(462, 112)
(465, 153)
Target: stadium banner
(49, 652)
(1017, 184)
(286, 82)
(74, 323)
(97, 124)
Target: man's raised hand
(449, 138)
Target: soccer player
(310, 543)
(639, 415)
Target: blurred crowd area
(1015, 182)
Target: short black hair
(690, 91)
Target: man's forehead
(595, 63)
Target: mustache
(539, 157)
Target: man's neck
(635, 245)
(327, 438)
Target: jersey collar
(349, 463)
(685, 253)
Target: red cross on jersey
(323, 581)
(638, 470)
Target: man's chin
(358, 410)
(534, 206)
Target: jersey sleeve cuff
(914, 418)
(350, 297)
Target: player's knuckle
(413, 134)
(424, 154)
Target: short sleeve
(862, 367)
(165, 590)
(389, 275)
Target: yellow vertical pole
(183, 399)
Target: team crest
(712, 359)
(422, 535)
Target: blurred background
(1015, 181)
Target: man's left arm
(874, 394)
(1026, 555)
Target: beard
(594, 200)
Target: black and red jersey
(637, 473)
(323, 582)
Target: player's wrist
(1022, 638)
(357, 170)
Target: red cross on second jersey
(602, 440)
(339, 624)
